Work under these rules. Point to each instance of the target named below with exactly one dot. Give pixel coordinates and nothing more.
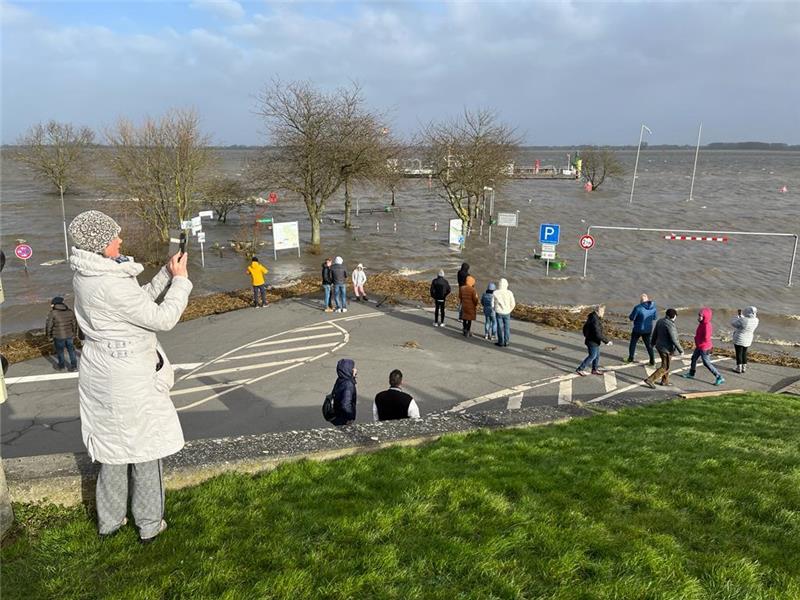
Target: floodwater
(734, 191)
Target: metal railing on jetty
(515, 172)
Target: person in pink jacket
(702, 346)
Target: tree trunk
(392, 196)
(64, 219)
(315, 229)
(347, 202)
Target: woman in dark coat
(344, 392)
(593, 336)
(469, 304)
(463, 272)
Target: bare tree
(306, 128)
(161, 164)
(468, 154)
(599, 163)
(59, 154)
(224, 195)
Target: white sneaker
(441, 324)
(435, 324)
(344, 310)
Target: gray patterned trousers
(147, 497)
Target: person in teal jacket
(643, 315)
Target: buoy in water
(436, 227)
(395, 227)
(378, 226)
(783, 190)
(587, 187)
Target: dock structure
(414, 169)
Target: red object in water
(586, 242)
(23, 251)
(587, 187)
(272, 198)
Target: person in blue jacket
(643, 316)
(344, 392)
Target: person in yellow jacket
(257, 271)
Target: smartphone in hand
(182, 243)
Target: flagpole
(636, 165)
(694, 170)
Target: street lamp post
(636, 165)
(491, 210)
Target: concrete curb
(68, 479)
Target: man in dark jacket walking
(665, 339)
(440, 289)
(344, 392)
(593, 336)
(62, 327)
(643, 315)
(339, 275)
(327, 282)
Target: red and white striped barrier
(697, 238)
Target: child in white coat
(359, 279)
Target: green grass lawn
(692, 499)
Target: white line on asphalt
(565, 392)
(317, 327)
(281, 351)
(610, 380)
(56, 376)
(299, 359)
(514, 402)
(297, 339)
(201, 388)
(640, 384)
(649, 370)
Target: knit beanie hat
(93, 230)
(57, 300)
(492, 286)
(441, 273)
(338, 260)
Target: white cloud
(227, 9)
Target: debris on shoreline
(393, 288)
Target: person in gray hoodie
(744, 327)
(665, 340)
(339, 275)
(61, 327)
(503, 304)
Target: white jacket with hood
(744, 327)
(127, 415)
(503, 299)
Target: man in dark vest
(394, 403)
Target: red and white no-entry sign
(23, 251)
(697, 238)
(586, 242)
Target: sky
(561, 73)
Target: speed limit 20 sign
(586, 242)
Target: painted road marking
(565, 392)
(514, 402)
(281, 351)
(250, 367)
(649, 370)
(640, 384)
(202, 388)
(297, 339)
(56, 376)
(610, 380)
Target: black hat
(57, 300)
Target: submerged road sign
(549, 233)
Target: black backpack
(328, 410)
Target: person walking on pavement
(359, 279)
(440, 289)
(339, 274)
(463, 272)
(327, 282)
(503, 304)
(643, 316)
(593, 336)
(665, 339)
(257, 271)
(128, 421)
(62, 327)
(744, 328)
(469, 305)
(394, 403)
(489, 319)
(344, 392)
(702, 347)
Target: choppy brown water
(733, 191)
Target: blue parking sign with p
(549, 233)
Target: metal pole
(586, 254)
(356, 206)
(636, 165)
(547, 269)
(64, 220)
(505, 253)
(791, 267)
(694, 170)
(202, 256)
(491, 212)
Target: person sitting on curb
(62, 327)
(394, 403)
(344, 392)
(440, 289)
(702, 346)
(744, 328)
(665, 339)
(593, 336)
(257, 271)
(643, 315)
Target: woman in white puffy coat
(744, 328)
(128, 421)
